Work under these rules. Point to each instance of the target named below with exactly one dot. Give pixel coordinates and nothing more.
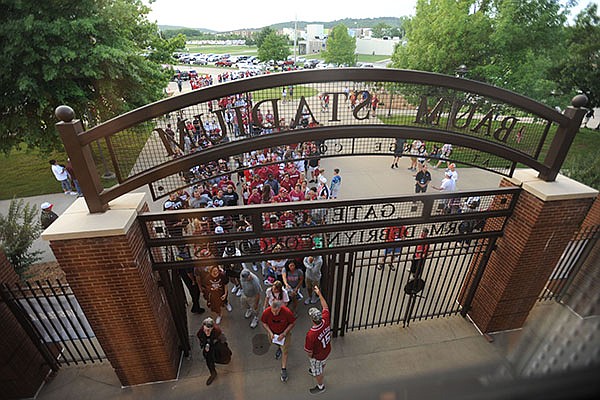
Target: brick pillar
(544, 220)
(108, 268)
(583, 295)
(22, 367)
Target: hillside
(349, 22)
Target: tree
(579, 67)
(259, 37)
(511, 44)
(380, 30)
(18, 229)
(99, 57)
(274, 47)
(341, 47)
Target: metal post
(557, 153)
(81, 158)
(478, 275)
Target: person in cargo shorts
(318, 341)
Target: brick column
(22, 367)
(544, 220)
(108, 268)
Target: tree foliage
(382, 29)
(274, 47)
(99, 57)
(260, 36)
(18, 229)
(579, 67)
(341, 47)
(511, 44)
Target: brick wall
(113, 280)
(583, 295)
(534, 239)
(22, 368)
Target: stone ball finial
(64, 113)
(579, 101)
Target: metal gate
(368, 293)
(351, 237)
(54, 321)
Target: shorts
(395, 250)
(419, 189)
(311, 284)
(286, 344)
(316, 366)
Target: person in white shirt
(61, 175)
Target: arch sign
(218, 130)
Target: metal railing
(570, 263)
(495, 128)
(55, 322)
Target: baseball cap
(219, 230)
(208, 322)
(45, 205)
(315, 314)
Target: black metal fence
(570, 263)
(55, 322)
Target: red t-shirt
(318, 339)
(278, 323)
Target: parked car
(192, 74)
(310, 64)
(224, 63)
(200, 61)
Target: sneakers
(307, 301)
(235, 288)
(284, 375)
(392, 267)
(255, 267)
(380, 267)
(239, 292)
(316, 390)
(254, 322)
(74, 193)
(268, 282)
(218, 320)
(314, 300)
(248, 313)
(228, 307)
(278, 353)
(299, 295)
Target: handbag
(222, 353)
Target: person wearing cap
(312, 266)
(453, 172)
(251, 290)
(322, 190)
(318, 341)
(209, 335)
(47, 216)
(279, 321)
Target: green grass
(27, 171)
(371, 58)
(271, 93)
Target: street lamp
(461, 71)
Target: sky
(237, 14)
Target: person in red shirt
(297, 194)
(318, 341)
(279, 321)
(282, 197)
(286, 182)
(255, 197)
(393, 234)
(420, 255)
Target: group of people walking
(278, 316)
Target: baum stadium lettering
(460, 115)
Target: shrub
(18, 229)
